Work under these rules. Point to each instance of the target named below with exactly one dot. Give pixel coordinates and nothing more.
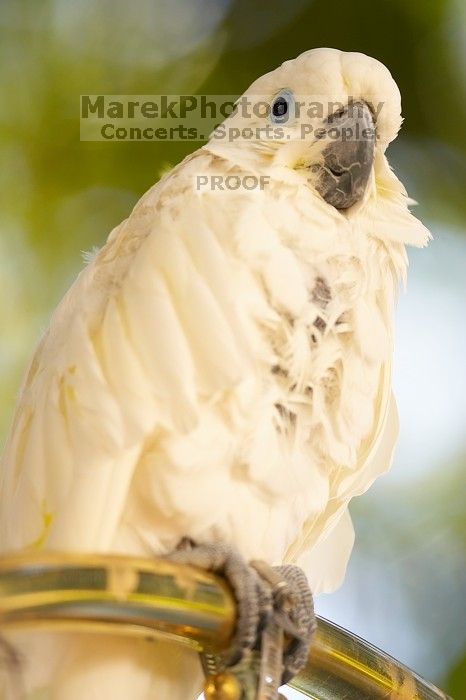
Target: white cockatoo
(220, 370)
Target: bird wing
(146, 335)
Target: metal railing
(157, 598)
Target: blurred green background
(406, 583)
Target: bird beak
(347, 156)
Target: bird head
(323, 121)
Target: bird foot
(275, 620)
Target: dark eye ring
(281, 107)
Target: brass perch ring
(157, 598)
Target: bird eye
(281, 107)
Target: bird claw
(271, 601)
